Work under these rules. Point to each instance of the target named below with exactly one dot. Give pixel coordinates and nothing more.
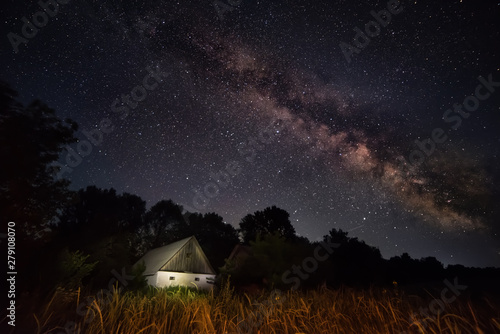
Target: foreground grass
(321, 311)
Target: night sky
(274, 103)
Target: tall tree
(164, 223)
(216, 237)
(351, 262)
(31, 139)
(96, 213)
(104, 225)
(270, 258)
(271, 220)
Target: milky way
(259, 107)
(289, 94)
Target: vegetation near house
(74, 268)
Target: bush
(73, 269)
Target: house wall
(152, 279)
(163, 279)
(190, 258)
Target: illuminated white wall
(164, 279)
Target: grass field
(329, 311)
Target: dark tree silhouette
(353, 263)
(403, 268)
(270, 256)
(104, 225)
(270, 221)
(31, 139)
(215, 236)
(94, 209)
(431, 266)
(164, 223)
(337, 236)
(407, 270)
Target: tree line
(70, 238)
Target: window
(196, 279)
(172, 278)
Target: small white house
(182, 263)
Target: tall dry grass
(321, 311)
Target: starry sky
(332, 110)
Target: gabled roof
(240, 252)
(184, 255)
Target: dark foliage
(31, 139)
(269, 221)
